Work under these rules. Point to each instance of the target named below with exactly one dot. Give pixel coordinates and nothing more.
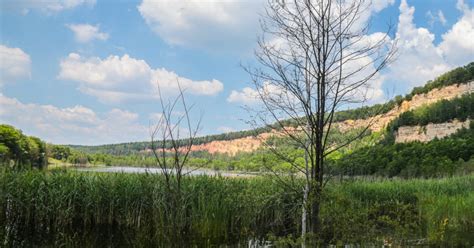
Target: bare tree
(316, 56)
(172, 139)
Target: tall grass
(408, 212)
(97, 210)
(111, 209)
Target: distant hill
(448, 86)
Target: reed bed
(64, 208)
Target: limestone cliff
(429, 132)
(379, 122)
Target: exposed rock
(379, 122)
(429, 132)
(232, 147)
(245, 144)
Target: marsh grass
(64, 208)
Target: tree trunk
(315, 209)
(304, 215)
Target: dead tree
(172, 139)
(315, 57)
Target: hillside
(445, 87)
(428, 132)
(378, 122)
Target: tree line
(17, 149)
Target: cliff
(429, 132)
(381, 121)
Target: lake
(193, 172)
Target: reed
(65, 208)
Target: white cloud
(116, 79)
(247, 96)
(418, 57)
(84, 33)
(378, 5)
(369, 8)
(14, 64)
(210, 24)
(441, 18)
(458, 44)
(434, 18)
(361, 68)
(215, 24)
(168, 82)
(46, 6)
(78, 124)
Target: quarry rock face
(429, 132)
(232, 147)
(379, 122)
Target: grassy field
(60, 208)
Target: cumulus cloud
(49, 7)
(246, 96)
(419, 58)
(214, 24)
(204, 24)
(77, 124)
(458, 44)
(15, 64)
(378, 5)
(84, 33)
(249, 96)
(116, 79)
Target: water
(192, 172)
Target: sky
(86, 71)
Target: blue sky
(84, 71)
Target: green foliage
(367, 111)
(59, 152)
(116, 210)
(19, 149)
(403, 211)
(101, 210)
(459, 75)
(68, 155)
(460, 108)
(438, 157)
